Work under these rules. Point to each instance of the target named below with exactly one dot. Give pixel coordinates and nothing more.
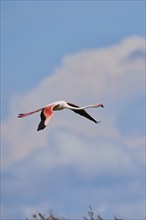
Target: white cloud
(109, 75)
(72, 150)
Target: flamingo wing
(82, 112)
(45, 115)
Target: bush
(52, 216)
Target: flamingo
(48, 110)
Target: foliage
(91, 216)
(52, 216)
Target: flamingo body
(48, 110)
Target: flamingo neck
(80, 108)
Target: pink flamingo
(47, 112)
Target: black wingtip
(41, 126)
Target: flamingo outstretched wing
(82, 113)
(45, 115)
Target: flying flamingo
(47, 112)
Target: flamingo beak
(100, 105)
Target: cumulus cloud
(74, 151)
(112, 75)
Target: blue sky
(82, 52)
(37, 34)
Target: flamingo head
(98, 105)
